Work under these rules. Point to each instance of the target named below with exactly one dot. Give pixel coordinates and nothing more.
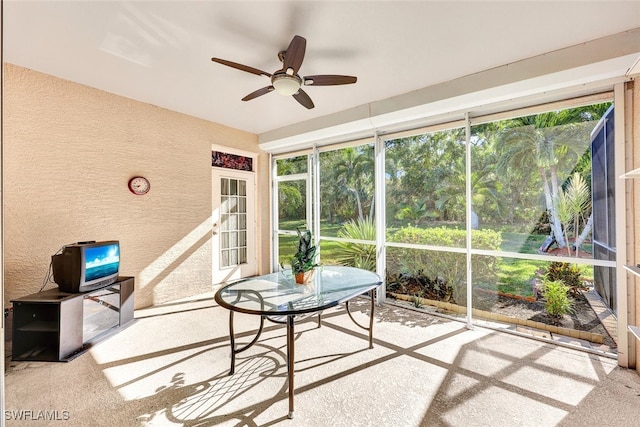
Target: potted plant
(304, 260)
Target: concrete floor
(170, 368)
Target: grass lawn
(515, 275)
(289, 244)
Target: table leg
(233, 344)
(290, 361)
(372, 294)
(373, 298)
(232, 338)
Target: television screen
(101, 261)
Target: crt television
(86, 266)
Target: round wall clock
(139, 185)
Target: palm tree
(416, 212)
(485, 188)
(571, 205)
(361, 255)
(353, 175)
(547, 141)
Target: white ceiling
(160, 52)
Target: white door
(234, 225)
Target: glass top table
(277, 298)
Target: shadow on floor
(170, 368)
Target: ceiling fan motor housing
(286, 84)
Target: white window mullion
(380, 203)
(274, 215)
(625, 291)
(468, 219)
(315, 195)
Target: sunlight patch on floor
(558, 386)
(560, 358)
(512, 409)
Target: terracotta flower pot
(305, 277)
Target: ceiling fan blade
(294, 55)
(329, 80)
(241, 67)
(258, 93)
(302, 97)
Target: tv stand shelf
(38, 326)
(59, 326)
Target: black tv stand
(59, 326)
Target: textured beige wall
(69, 151)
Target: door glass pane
(292, 215)
(233, 222)
(224, 222)
(292, 205)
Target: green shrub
(450, 267)
(568, 274)
(556, 295)
(359, 255)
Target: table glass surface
(278, 294)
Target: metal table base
(290, 322)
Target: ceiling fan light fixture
(286, 84)
(286, 81)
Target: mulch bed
(583, 319)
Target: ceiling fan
(287, 81)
